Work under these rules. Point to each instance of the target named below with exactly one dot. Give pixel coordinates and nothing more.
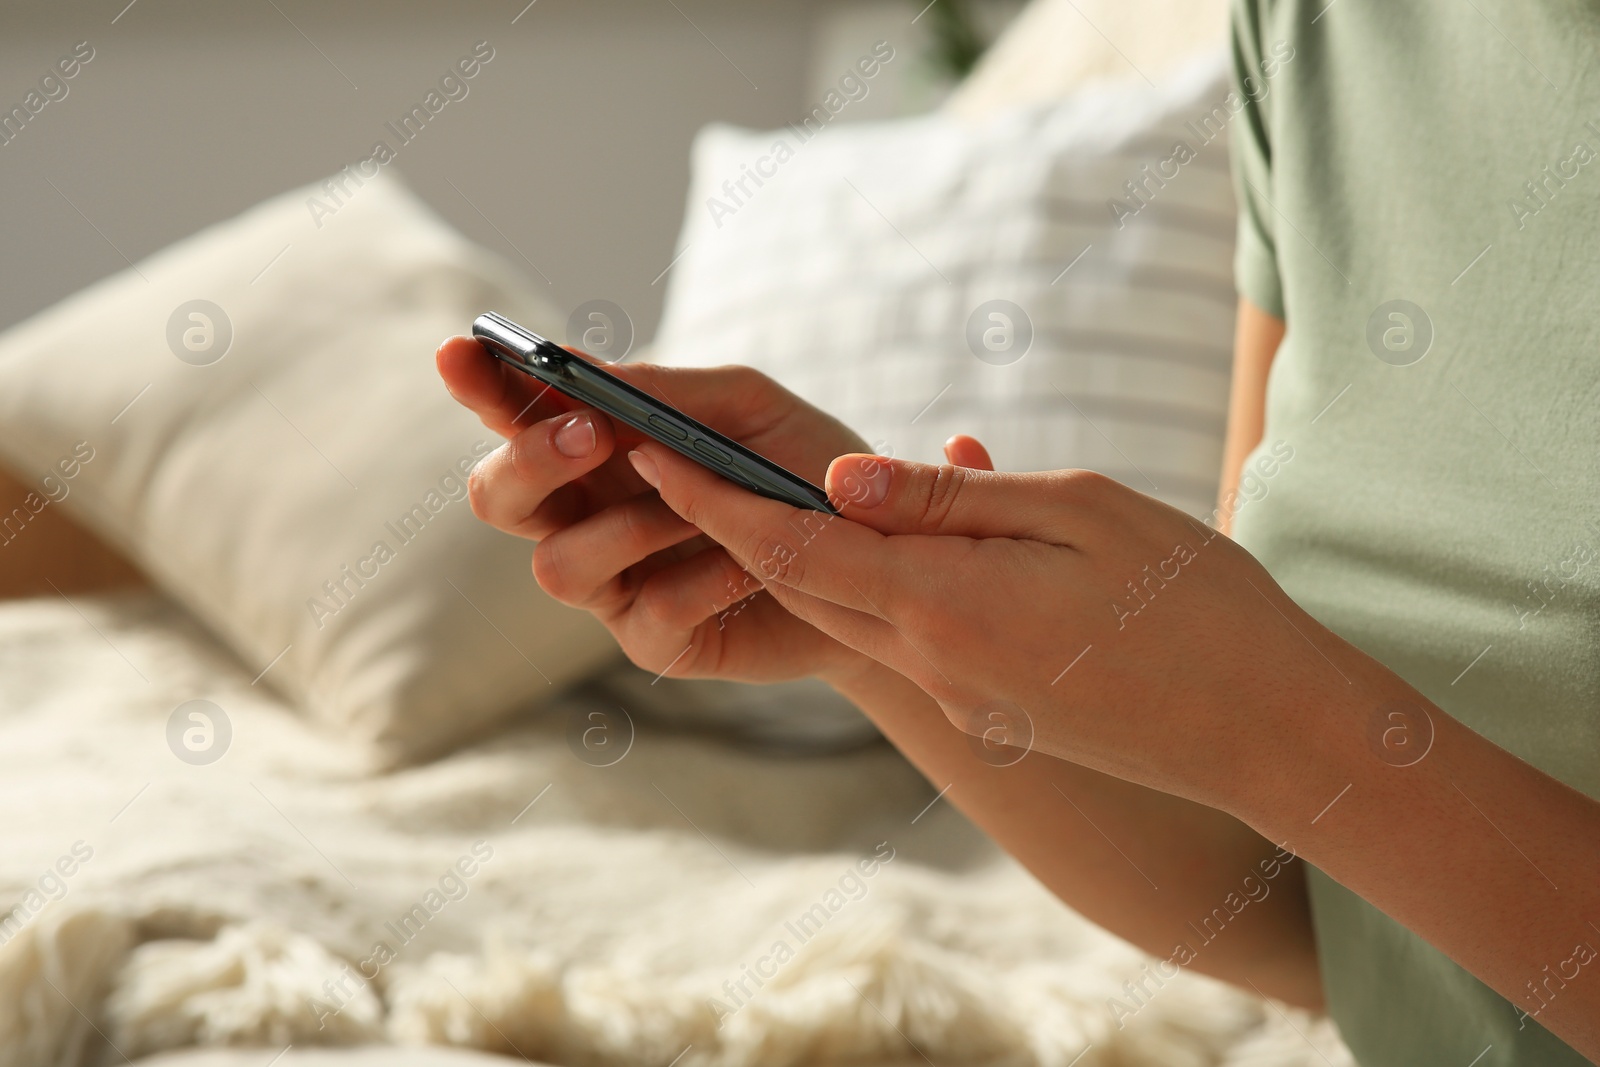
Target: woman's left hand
(1061, 611)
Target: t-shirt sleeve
(1255, 264)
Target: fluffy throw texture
(688, 903)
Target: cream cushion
(284, 461)
(925, 277)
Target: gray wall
(573, 142)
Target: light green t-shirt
(1419, 183)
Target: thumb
(895, 496)
(964, 450)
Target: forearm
(43, 553)
(1152, 868)
(1492, 861)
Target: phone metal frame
(581, 380)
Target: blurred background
(191, 112)
(240, 746)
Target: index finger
(826, 556)
(506, 400)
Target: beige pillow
(253, 416)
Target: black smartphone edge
(581, 380)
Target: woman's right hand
(677, 603)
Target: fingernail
(646, 468)
(575, 437)
(873, 484)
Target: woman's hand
(608, 544)
(1060, 610)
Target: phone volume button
(712, 452)
(671, 429)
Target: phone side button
(669, 428)
(712, 452)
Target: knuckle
(757, 394)
(550, 572)
(479, 491)
(955, 717)
(940, 494)
(669, 661)
(1085, 485)
(524, 453)
(642, 655)
(682, 501)
(687, 509)
(657, 610)
(742, 380)
(639, 657)
(738, 582)
(771, 558)
(633, 524)
(1098, 502)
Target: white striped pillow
(850, 270)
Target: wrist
(1326, 728)
(1368, 737)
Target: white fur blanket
(690, 904)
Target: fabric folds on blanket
(517, 899)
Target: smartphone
(581, 380)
